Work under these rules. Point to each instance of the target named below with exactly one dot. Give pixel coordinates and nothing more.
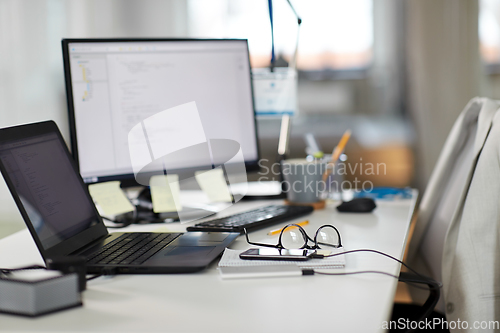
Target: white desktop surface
(203, 302)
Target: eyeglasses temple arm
(258, 244)
(338, 234)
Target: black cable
(414, 285)
(119, 224)
(127, 221)
(94, 277)
(402, 279)
(7, 271)
(388, 256)
(432, 300)
(358, 272)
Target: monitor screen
(112, 85)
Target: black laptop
(63, 220)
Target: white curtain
(444, 71)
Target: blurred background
(396, 72)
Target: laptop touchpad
(201, 238)
(189, 252)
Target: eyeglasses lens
(292, 238)
(327, 236)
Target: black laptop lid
(50, 194)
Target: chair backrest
(471, 254)
(443, 193)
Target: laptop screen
(48, 187)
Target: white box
(37, 292)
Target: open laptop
(63, 219)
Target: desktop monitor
(114, 84)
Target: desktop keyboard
(131, 248)
(253, 219)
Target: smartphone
(277, 254)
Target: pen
(312, 146)
(337, 151)
(277, 231)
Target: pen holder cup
(303, 180)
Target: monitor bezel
(128, 180)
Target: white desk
(203, 302)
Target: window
(335, 34)
(489, 31)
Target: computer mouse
(358, 205)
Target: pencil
(277, 231)
(337, 151)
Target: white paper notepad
(231, 258)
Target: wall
(31, 69)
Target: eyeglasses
(293, 236)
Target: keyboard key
(131, 247)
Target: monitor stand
(273, 189)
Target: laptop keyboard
(131, 248)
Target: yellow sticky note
(165, 193)
(162, 229)
(110, 197)
(213, 183)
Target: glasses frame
(305, 236)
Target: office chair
(443, 203)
